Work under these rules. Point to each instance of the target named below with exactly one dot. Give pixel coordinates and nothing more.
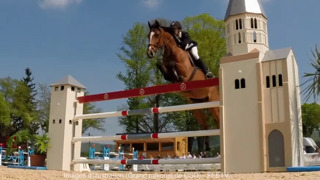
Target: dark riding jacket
(184, 41)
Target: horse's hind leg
(215, 112)
(200, 115)
(201, 118)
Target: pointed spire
(244, 6)
(70, 81)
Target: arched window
(255, 23)
(274, 81)
(237, 84)
(252, 23)
(240, 24)
(239, 38)
(243, 83)
(268, 82)
(276, 149)
(60, 121)
(280, 79)
(254, 37)
(237, 25)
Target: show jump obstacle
(261, 128)
(66, 110)
(260, 125)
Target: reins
(160, 47)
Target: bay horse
(177, 67)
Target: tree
(43, 106)
(15, 93)
(30, 100)
(28, 80)
(5, 120)
(310, 118)
(313, 77)
(209, 33)
(137, 72)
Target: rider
(183, 40)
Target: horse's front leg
(173, 70)
(163, 71)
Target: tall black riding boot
(204, 68)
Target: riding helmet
(175, 24)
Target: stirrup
(209, 75)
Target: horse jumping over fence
(177, 67)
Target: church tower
(261, 126)
(246, 27)
(62, 128)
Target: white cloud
(57, 4)
(152, 3)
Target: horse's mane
(157, 25)
(167, 29)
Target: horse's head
(157, 38)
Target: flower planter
(37, 159)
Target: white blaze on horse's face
(150, 39)
(151, 47)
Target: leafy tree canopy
(310, 118)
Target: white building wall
(241, 120)
(295, 111)
(61, 129)
(274, 95)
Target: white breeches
(194, 52)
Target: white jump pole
(149, 161)
(29, 159)
(135, 166)
(212, 132)
(106, 167)
(150, 110)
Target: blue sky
(55, 38)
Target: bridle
(157, 46)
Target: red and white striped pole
(160, 89)
(154, 110)
(148, 161)
(212, 132)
